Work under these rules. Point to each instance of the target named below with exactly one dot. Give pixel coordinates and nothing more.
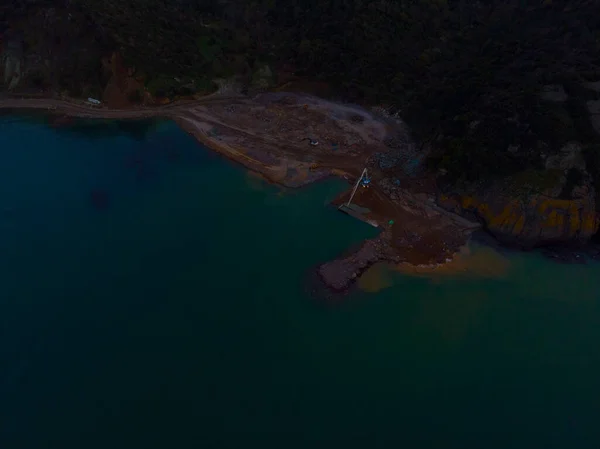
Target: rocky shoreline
(564, 253)
(415, 229)
(339, 274)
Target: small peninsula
(462, 121)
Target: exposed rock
(262, 79)
(11, 62)
(387, 161)
(474, 124)
(536, 208)
(594, 85)
(535, 222)
(402, 153)
(227, 86)
(593, 106)
(554, 92)
(340, 273)
(569, 157)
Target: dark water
(154, 296)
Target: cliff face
(12, 56)
(538, 221)
(552, 196)
(554, 205)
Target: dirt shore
(271, 134)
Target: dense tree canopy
(464, 74)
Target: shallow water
(175, 314)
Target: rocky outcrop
(557, 205)
(554, 93)
(339, 274)
(11, 61)
(262, 79)
(536, 222)
(593, 107)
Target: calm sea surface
(153, 295)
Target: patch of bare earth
(411, 233)
(121, 85)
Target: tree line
(464, 74)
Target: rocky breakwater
(340, 273)
(556, 205)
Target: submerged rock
(565, 255)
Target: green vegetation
(535, 181)
(445, 64)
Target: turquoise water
(153, 295)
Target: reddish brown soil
(121, 85)
(418, 235)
